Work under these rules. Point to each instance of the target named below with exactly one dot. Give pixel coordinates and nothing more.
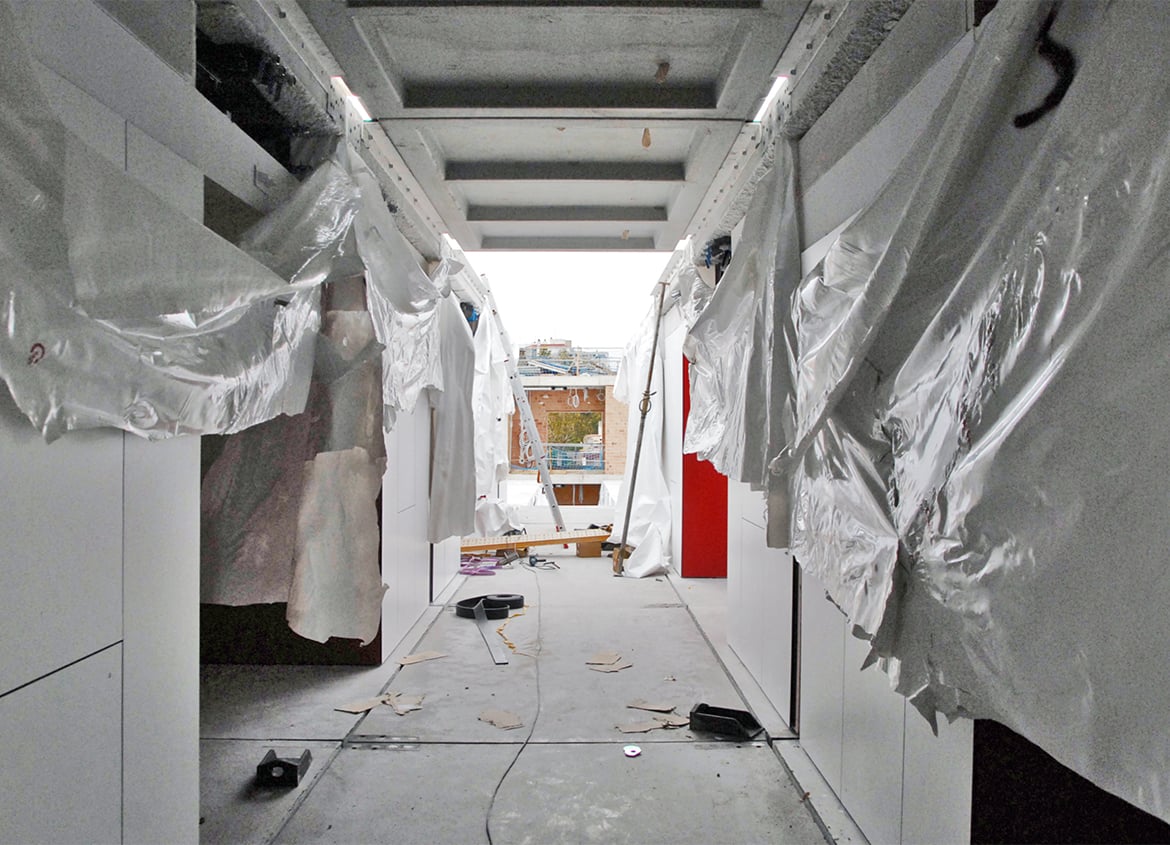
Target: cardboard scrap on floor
(653, 707)
(669, 720)
(401, 702)
(362, 706)
(604, 658)
(501, 719)
(421, 656)
(607, 661)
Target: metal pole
(623, 550)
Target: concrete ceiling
(561, 125)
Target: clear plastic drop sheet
(492, 403)
(741, 388)
(403, 301)
(118, 311)
(725, 422)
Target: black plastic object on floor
(723, 721)
(282, 771)
(497, 606)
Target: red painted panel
(704, 511)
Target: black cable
(487, 822)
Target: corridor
(440, 774)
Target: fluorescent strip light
(358, 106)
(777, 86)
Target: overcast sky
(590, 298)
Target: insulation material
(685, 285)
(337, 589)
(1000, 420)
(403, 301)
(452, 499)
(741, 393)
(649, 531)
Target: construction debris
(420, 657)
(501, 719)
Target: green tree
(572, 427)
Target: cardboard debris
(362, 706)
(640, 727)
(403, 703)
(604, 658)
(654, 707)
(667, 721)
(613, 667)
(411, 659)
(501, 719)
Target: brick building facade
(552, 400)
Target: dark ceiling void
(248, 84)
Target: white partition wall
(406, 552)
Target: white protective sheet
(649, 531)
(336, 595)
(452, 511)
(403, 301)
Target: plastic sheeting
(452, 511)
(980, 465)
(649, 531)
(403, 301)
(176, 333)
(741, 393)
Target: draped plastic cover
(178, 333)
(741, 403)
(981, 441)
(649, 531)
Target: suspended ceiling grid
(561, 125)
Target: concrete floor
(430, 776)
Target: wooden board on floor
(519, 541)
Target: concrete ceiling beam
(572, 213)
(564, 171)
(577, 97)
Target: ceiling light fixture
(778, 85)
(354, 99)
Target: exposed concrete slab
(283, 702)
(676, 793)
(231, 807)
(460, 686)
(428, 794)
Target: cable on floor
(487, 822)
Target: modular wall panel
(62, 739)
(822, 690)
(872, 737)
(61, 530)
(161, 692)
(936, 781)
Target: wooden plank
(519, 541)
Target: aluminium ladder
(527, 421)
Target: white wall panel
(61, 739)
(822, 643)
(161, 684)
(776, 677)
(406, 555)
(871, 751)
(936, 781)
(61, 535)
